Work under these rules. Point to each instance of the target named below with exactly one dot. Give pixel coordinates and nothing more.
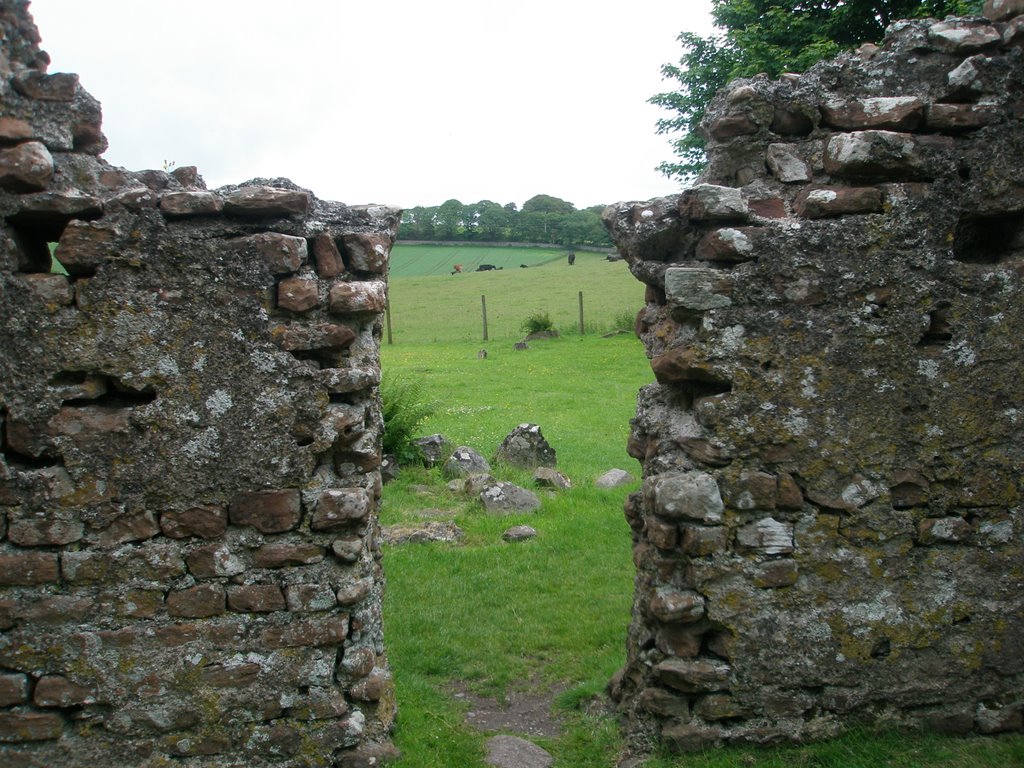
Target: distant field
(421, 260)
(430, 306)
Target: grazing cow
(523, 266)
(485, 268)
(572, 258)
(457, 270)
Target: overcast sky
(408, 102)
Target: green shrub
(624, 321)
(404, 408)
(537, 322)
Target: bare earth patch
(529, 713)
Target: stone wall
(190, 458)
(830, 529)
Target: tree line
(542, 219)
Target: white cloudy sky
(407, 102)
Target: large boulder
(465, 462)
(525, 447)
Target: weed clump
(538, 322)
(404, 407)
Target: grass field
(445, 307)
(550, 614)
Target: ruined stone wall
(189, 473)
(830, 529)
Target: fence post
(483, 306)
(581, 313)
(387, 319)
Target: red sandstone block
(283, 554)
(127, 528)
(190, 203)
(281, 253)
(776, 573)
(36, 530)
(297, 294)
(826, 202)
(213, 560)
(236, 676)
(788, 494)
(13, 689)
(661, 534)
(327, 256)
(367, 252)
(58, 691)
(26, 167)
(752, 490)
(894, 113)
(29, 726)
(699, 541)
(256, 598)
(53, 290)
(139, 603)
(28, 569)
(83, 246)
(355, 592)
(56, 609)
(266, 201)
(358, 662)
(271, 511)
(339, 507)
(331, 630)
(730, 126)
(372, 687)
(305, 598)
(682, 641)
(198, 602)
(296, 337)
(675, 606)
(358, 297)
(195, 745)
(89, 421)
(347, 549)
(13, 129)
(206, 522)
(34, 84)
(768, 207)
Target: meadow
(547, 616)
(429, 304)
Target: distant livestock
(457, 270)
(487, 268)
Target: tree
(770, 36)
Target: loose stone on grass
(519, 533)
(546, 477)
(465, 462)
(514, 752)
(419, 533)
(614, 478)
(507, 498)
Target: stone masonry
(830, 529)
(189, 475)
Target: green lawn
(553, 611)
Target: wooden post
(387, 319)
(483, 306)
(581, 313)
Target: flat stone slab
(419, 533)
(508, 498)
(514, 752)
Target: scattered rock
(546, 477)
(465, 462)
(419, 533)
(389, 468)
(433, 448)
(525, 447)
(519, 533)
(514, 752)
(508, 498)
(614, 478)
(520, 346)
